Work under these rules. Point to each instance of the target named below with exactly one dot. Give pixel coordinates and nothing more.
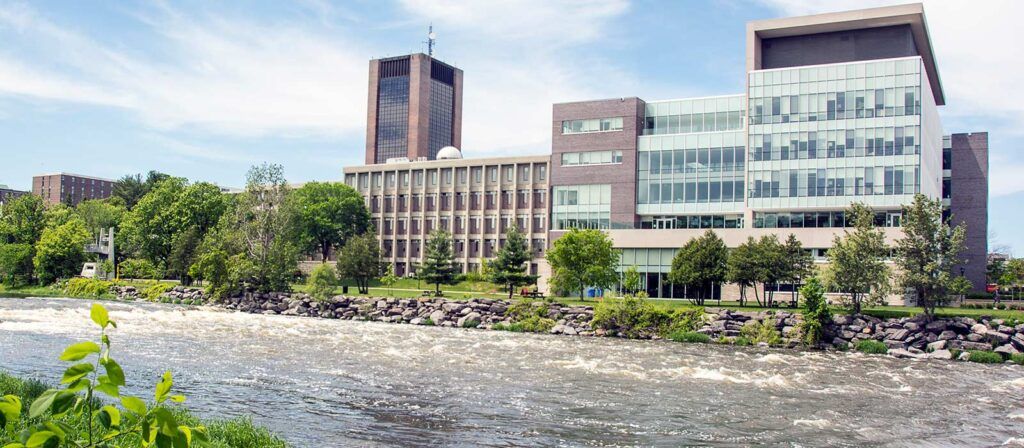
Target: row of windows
(581, 207)
(693, 222)
(819, 219)
(392, 118)
(701, 160)
(442, 111)
(702, 122)
(446, 175)
(582, 195)
(591, 158)
(654, 192)
(854, 181)
(891, 102)
(592, 125)
(858, 70)
(581, 220)
(859, 142)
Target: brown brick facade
(969, 200)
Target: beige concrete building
(476, 200)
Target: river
(325, 383)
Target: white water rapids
(323, 382)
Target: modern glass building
(839, 108)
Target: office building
(414, 108)
(839, 108)
(70, 189)
(476, 200)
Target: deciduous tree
(359, 260)
(857, 261)
(928, 252)
(699, 265)
(582, 258)
(60, 251)
(328, 214)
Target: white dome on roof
(449, 152)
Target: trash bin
(590, 292)
(344, 289)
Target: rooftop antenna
(430, 40)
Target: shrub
(631, 317)
(872, 347)
(762, 331)
(429, 322)
(687, 320)
(1017, 358)
(522, 310)
(955, 352)
(139, 268)
(322, 281)
(87, 287)
(985, 357)
(155, 290)
(741, 341)
(690, 336)
(816, 314)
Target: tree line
(923, 261)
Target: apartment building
(7, 195)
(70, 189)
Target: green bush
(631, 317)
(762, 331)
(872, 347)
(690, 336)
(87, 287)
(138, 268)
(985, 357)
(741, 341)
(154, 291)
(1017, 358)
(532, 324)
(322, 281)
(523, 310)
(687, 320)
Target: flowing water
(338, 383)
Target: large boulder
(437, 317)
(1006, 350)
(940, 354)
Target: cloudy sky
(204, 90)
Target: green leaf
(163, 387)
(177, 398)
(42, 403)
(14, 445)
(108, 389)
(10, 410)
(134, 404)
(114, 371)
(78, 386)
(110, 417)
(62, 402)
(76, 372)
(99, 315)
(76, 352)
(56, 429)
(41, 439)
(165, 420)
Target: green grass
(234, 433)
(985, 357)
(872, 347)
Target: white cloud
(980, 63)
(223, 76)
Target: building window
(591, 158)
(592, 125)
(582, 207)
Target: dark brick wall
(622, 177)
(969, 200)
(841, 46)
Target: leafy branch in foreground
(94, 372)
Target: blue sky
(206, 89)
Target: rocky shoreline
(904, 337)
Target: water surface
(340, 383)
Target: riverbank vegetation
(90, 409)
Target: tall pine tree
(510, 268)
(438, 261)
